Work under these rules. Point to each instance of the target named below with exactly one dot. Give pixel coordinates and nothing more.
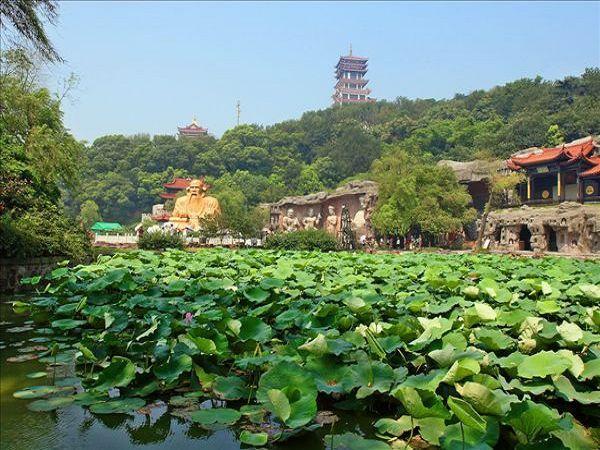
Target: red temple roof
(570, 152)
(193, 129)
(593, 171)
(177, 183)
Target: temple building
(174, 187)
(351, 85)
(570, 172)
(193, 130)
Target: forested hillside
(123, 175)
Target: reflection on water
(75, 427)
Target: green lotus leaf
(427, 381)
(457, 437)
(543, 364)
(493, 339)
(256, 294)
(256, 413)
(330, 376)
(230, 388)
(395, 427)
(576, 438)
(531, 387)
(89, 398)
(485, 312)
(548, 307)
(316, 346)
(224, 416)
(119, 373)
(253, 328)
(352, 441)
(462, 368)
(173, 368)
(566, 390)
(298, 386)
(431, 429)
(206, 379)
(370, 377)
(254, 439)
(271, 283)
(570, 332)
(466, 413)
(146, 389)
(37, 375)
(533, 421)
(67, 324)
(484, 400)
(50, 404)
(421, 404)
(39, 391)
(119, 406)
(577, 365)
(591, 369)
(471, 291)
(591, 291)
(279, 404)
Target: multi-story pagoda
(351, 86)
(193, 130)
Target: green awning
(107, 226)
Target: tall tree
(416, 194)
(22, 25)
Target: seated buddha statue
(194, 206)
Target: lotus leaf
(119, 373)
(255, 439)
(172, 369)
(225, 416)
(543, 364)
(120, 406)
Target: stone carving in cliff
(567, 228)
(322, 210)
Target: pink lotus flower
(188, 318)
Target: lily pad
(120, 406)
(225, 416)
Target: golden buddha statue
(194, 206)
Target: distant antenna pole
(350, 49)
(238, 110)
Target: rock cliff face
(358, 197)
(473, 171)
(567, 228)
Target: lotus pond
(229, 349)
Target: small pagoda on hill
(193, 130)
(570, 172)
(351, 85)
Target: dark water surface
(75, 427)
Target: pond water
(75, 427)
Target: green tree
(26, 19)
(89, 213)
(554, 137)
(414, 193)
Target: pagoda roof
(193, 128)
(570, 152)
(177, 183)
(593, 171)
(352, 58)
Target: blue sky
(147, 67)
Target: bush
(302, 240)
(43, 232)
(160, 241)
